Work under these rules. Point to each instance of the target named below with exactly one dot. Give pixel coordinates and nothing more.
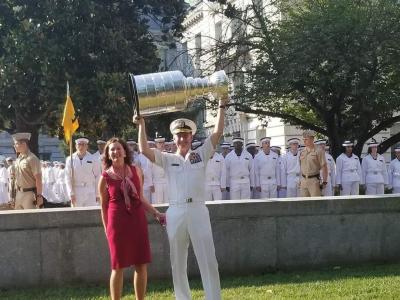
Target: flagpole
(71, 158)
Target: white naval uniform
(215, 177)
(99, 158)
(374, 174)
(60, 186)
(349, 174)
(330, 163)
(239, 174)
(160, 185)
(3, 186)
(86, 178)
(48, 181)
(188, 219)
(147, 168)
(267, 173)
(394, 175)
(290, 174)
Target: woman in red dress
(123, 213)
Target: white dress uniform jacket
(349, 174)
(86, 178)
(330, 163)
(215, 177)
(3, 185)
(147, 168)
(188, 219)
(290, 174)
(267, 173)
(394, 175)
(239, 174)
(160, 185)
(374, 174)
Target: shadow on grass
(228, 282)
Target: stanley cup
(165, 92)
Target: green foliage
(91, 44)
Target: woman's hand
(161, 218)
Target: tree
(327, 65)
(92, 44)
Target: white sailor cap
(21, 136)
(250, 144)
(131, 142)
(56, 163)
(327, 147)
(265, 139)
(397, 148)
(183, 125)
(373, 143)
(82, 140)
(151, 142)
(320, 142)
(293, 141)
(101, 142)
(9, 158)
(308, 133)
(159, 139)
(347, 144)
(225, 145)
(61, 164)
(237, 139)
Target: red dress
(127, 232)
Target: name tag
(175, 165)
(89, 162)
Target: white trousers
(293, 192)
(350, 188)
(375, 189)
(269, 191)
(85, 196)
(396, 190)
(160, 193)
(191, 222)
(213, 192)
(328, 190)
(3, 193)
(147, 194)
(240, 191)
(226, 195)
(293, 187)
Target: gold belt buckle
(189, 200)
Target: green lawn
(365, 282)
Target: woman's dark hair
(106, 159)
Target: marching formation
(237, 171)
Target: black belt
(310, 176)
(32, 189)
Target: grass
(360, 282)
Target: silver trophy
(165, 92)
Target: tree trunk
(21, 126)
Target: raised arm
(219, 126)
(143, 146)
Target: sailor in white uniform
(4, 199)
(101, 145)
(330, 162)
(187, 216)
(394, 172)
(239, 171)
(215, 177)
(290, 172)
(374, 171)
(159, 177)
(348, 171)
(83, 176)
(267, 170)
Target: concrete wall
(58, 246)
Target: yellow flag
(69, 122)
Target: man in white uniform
(147, 168)
(225, 149)
(187, 216)
(267, 170)
(101, 145)
(239, 171)
(330, 162)
(83, 176)
(3, 185)
(394, 172)
(290, 172)
(348, 171)
(159, 178)
(215, 177)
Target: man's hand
(39, 201)
(258, 189)
(228, 189)
(223, 189)
(97, 199)
(138, 120)
(152, 189)
(73, 201)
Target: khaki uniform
(311, 162)
(27, 166)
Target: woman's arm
(104, 201)
(148, 207)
